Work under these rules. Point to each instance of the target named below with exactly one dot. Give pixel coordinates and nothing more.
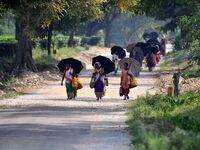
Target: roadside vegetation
(165, 123)
(178, 60)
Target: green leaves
(164, 123)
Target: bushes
(190, 74)
(93, 41)
(172, 122)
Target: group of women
(99, 81)
(149, 51)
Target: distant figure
(115, 60)
(99, 76)
(151, 61)
(67, 75)
(138, 54)
(125, 81)
(163, 43)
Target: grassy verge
(41, 56)
(191, 73)
(164, 123)
(178, 60)
(175, 60)
(10, 94)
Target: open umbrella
(119, 51)
(153, 46)
(106, 63)
(75, 64)
(133, 65)
(153, 35)
(146, 36)
(142, 46)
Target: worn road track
(44, 120)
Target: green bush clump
(191, 74)
(173, 122)
(93, 41)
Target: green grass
(165, 123)
(194, 73)
(41, 56)
(175, 60)
(7, 39)
(10, 94)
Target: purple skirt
(99, 86)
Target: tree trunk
(49, 40)
(107, 39)
(94, 27)
(23, 60)
(108, 26)
(70, 42)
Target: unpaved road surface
(44, 119)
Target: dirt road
(44, 120)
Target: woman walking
(68, 75)
(99, 76)
(115, 59)
(125, 81)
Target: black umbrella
(153, 35)
(75, 64)
(143, 47)
(153, 46)
(105, 62)
(119, 51)
(146, 36)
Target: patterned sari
(68, 83)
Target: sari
(99, 87)
(125, 81)
(71, 93)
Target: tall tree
(112, 10)
(26, 16)
(78, 13)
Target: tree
(182, 15)
(168, 10)
(78, 13)
(25, 15)
(112, 9)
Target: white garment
(68, 75)
(115, 59)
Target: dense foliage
(165, 123)
(182, 16)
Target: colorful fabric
(70, 91)
(68, 75)
(151, 60)
(125, 91)
(76, 84)
(99, 87)
(125, 79)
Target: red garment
(157, 58)
(125, 91)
